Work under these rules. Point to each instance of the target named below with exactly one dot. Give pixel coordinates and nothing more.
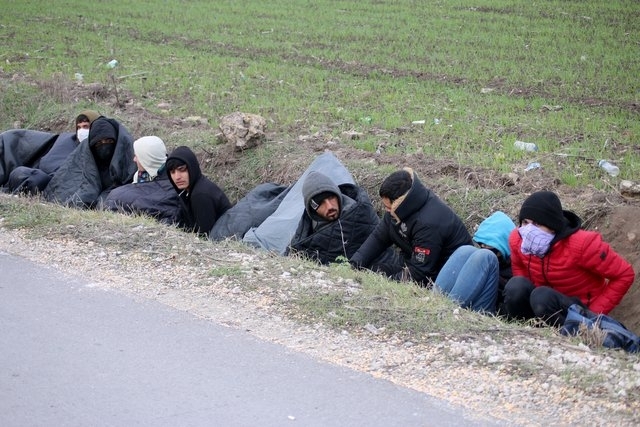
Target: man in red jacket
(555, 264)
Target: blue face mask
(535, 241)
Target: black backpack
(616, 335)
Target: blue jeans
(470, 276)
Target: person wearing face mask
(94, 168)
(556, 264)
(33, 177)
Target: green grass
(367, 300)
(305, 65)
(226, 271)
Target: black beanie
(316, 201)
(101, 129)
(317, 187)
(544, 208)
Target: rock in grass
(243, 130)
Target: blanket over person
(156, 198)
(22, 147)
(275, 233)
(248, 212)
(78, 183)
(271, 216)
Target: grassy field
(481, 75)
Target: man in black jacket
(425, 229)
(203, 202)
(336, 221)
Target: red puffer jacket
(579, 265)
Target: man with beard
(336, 221)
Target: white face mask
(82, 134)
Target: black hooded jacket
(425, 229)
(324, 240)
(203, 202)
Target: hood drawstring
(546, 270)
(344, 242)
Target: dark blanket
(274, 218)
(22, 147)
(78, 184)
(25, 180)
(33, 180)
(250, 211)
(156, 198)
(341, 237)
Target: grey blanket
(22, 147)
(250, 211)
(275, 232)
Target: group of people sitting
(100, 166)
(535, 268)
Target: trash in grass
(112, 63)
(437, 121)
(630, 188)
(609, 168)
(418, 122)
(526, 146)
(551, 108)
(531, 166)
(79, 77)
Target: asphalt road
(72, 354)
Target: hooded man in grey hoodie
(336, 221)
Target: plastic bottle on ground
(527, 146)
(609, 168)
(531, 166)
